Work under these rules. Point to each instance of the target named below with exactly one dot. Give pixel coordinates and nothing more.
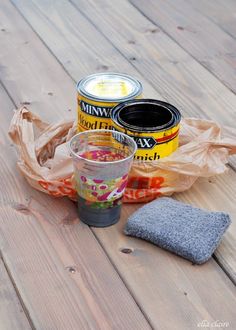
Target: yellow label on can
(153, 145)
(93, 114)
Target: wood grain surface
(62, 274)
(54, 259)
(76, 43)
(219, 11)
(29, 72)
(173, 293)
(216, 194)
(12, 315)
(45, 15)
(197, 34)
(165, 66)
(173, 73)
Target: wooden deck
(60, 274)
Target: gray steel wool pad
(188, 231)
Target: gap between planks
(11, 279)
(176, 262)
(72, 294)
(204, 105)
(185, 20)
(12, 315)
(222, 13)
(73, 16)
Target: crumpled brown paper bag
(45, 162)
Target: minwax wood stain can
(99, 93)
(153, 124)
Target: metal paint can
(153, 124)
(99, 93)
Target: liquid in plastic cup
(102, 160)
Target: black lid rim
(172, 123)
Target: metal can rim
(175, 112)
(137, 90)
(70, 142)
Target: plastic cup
(102, 160)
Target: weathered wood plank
(172, 292)
(219, 11)
(62, 274)
(28, 73)
(42, 243)
(12, 315)
(114, 20)
(198, 35)
(71, 39)
(175, 75)
(146, 265)
(218, 193)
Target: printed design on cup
(101, 193)
(103, 155)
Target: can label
(153, 124)
(153, 145)
(93, 114)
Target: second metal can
(153, 124)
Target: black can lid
(145, 115)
